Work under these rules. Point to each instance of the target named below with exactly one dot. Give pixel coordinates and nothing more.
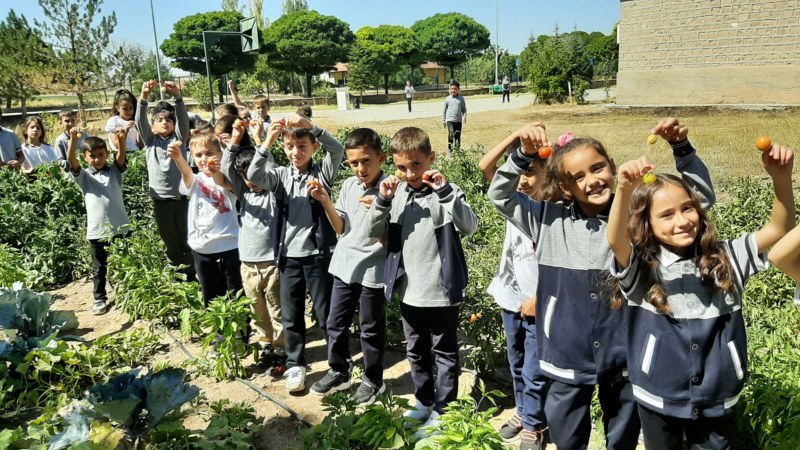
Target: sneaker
(367, 393)
(295, 379)
(99, 307)
(532, 440)
(333, 381)
(430, 427)
(420, 413)
(511, 429)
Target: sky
(517, 20)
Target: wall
(697, 52)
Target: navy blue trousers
(530, 385)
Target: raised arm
(629, 176)
(174, 152)
(488, 163)
(381, 208)
(141, 119)
(778, 162)
(181, 116)
(72, 150)
(122, 144)
(786, 254)
(320, 194)
(232, 88)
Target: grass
(724, 138)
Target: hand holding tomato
(671, 129)
(532, 137)
(434, 179)
(174, 150)
(778, 161)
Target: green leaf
(166, 392)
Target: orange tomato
(545, 152)
(253, 123)
(763, 143)
(427, 177)
(239, 123)
(473, 318)
(312, 183)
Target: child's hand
(672, 130)
(274, 131)
(366, 201)
(232, 86)
(213, 164)
(257, 125)
(172, 88)
(433, 178)
(388, 186)
(74, 132)
(237, 133)
(528, 308)
(224, 139)
(298, 121)
(532, 137)
(317, 192)
(174, 150)
(631, 173)
(147, 88)
(778, 161)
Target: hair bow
(565, 138)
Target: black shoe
(533, 440)
(332, 382)
(367, 392)
(511, 429)
(266, 358)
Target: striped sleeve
(746, 259)
(630, 278)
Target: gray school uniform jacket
(424, 274)
(256, 212)
(582, 339)
(359, 258)
(162, 172)
(301, 226)
(691, 362)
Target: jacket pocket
(737, 361)
(648, 353)
(548, 314)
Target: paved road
(421, 109)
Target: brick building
(700, 52)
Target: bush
(197, 90)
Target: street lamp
(496, 40)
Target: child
(260, 275)
(122, 113)
(35, 150)
(303, 237)
(10, 149)
(170, 207)
(357, 267)
(514, 290)
(409, 90)
(686, 343)
(69, 120)
(506, 89)
(213, 223)
(454, 116)
(425, 218)
(580, 337)
(106, 217)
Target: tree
(132, 63)
(231, 5)
(78, 33)
(290, 6)
(307, 42)
(23, 62)
(385, 49)
(185, 45)
(361, 78)
(449, 39)
(550, 63)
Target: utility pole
(158, 57)
(496, 41)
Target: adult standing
(10, 148)
(409, 93)
(454, 116)
(506, 89)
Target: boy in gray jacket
(418, 212)
(302, 237)
(454, 116)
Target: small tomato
(763, 143)
(545, 152)
(652, 139)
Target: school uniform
(580, 339)
(303, 239)
(455, 108)
(259, 270)
(688, 367)
(9, 145)
(106, 217)
(429, 279)
(515, 282)
(357, 267)
(170, 207)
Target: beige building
(701, 52)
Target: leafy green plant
(28, 314)
(465, 425)
(125, 409)
(336, 428)
(382, 425)
(225, 325)
(130, 348)
(11, 266)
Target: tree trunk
(8, 103)
(221, 91)
(24, 103)
(81, 107)
(386, 83)
(309, 88)
(452, 73)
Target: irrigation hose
(247, 383)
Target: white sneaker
(296, 379)
(430, 427)
(419, 413)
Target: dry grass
(724, 138)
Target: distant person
(454, 116)
(122, 113)
(101, 185)
(10, 149)
(304, 109)
(409, 93)
(69, 120)
(506, 89)
(35, 150)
